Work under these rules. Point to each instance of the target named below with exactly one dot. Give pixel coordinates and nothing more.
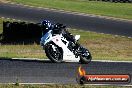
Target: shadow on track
(35, 60)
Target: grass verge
(58, 86)
(102, 47)
(120, 10)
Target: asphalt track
(88, 23)
(33, 71)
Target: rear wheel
(54, 53)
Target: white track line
(2, 17)
(30, 59)
(28, 83)
(112, 61)
(70, 12)
(70, 83)
(70, 60)
(16, 19)
(74, 29)
(108, 85)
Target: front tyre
(86, 57)
(54, 53)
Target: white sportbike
(59, 49)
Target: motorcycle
(59, 49)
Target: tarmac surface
(34, 71)
(88, 23)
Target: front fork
(81, 51)
(77, 51)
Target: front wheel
(85, 57)
(54, 53)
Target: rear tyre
(55, 55)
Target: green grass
(1, 26)
(106, 47)
(57, 86)
(120, 10)
(20, 51)
(102, 47)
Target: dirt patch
(4, 1)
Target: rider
(57, 28)
(45, 26)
